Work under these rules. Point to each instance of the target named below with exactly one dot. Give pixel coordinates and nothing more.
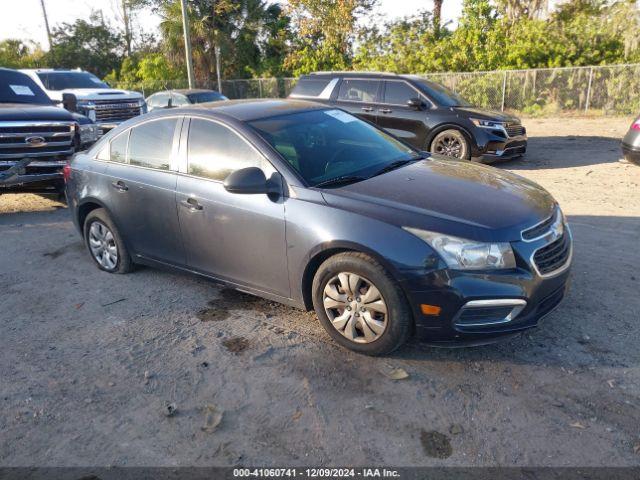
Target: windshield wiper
(343, 180)
(395, 165)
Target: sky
(23, 18)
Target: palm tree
(437, 16)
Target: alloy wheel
(103, 245)
(355, 307)
(449, 144)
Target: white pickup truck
(106, 106)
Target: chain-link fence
(605, 90)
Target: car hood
(449, 196)
(26, 111)
(486, 114)
(97, 94)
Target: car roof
(54, 70)
(186, 91)
(378, 75)
(350, 73)
(254, 109)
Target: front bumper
(104, 127)
(529, 296)
(34, 176)
(491, 147)
(631, 153)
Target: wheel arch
(451, 126)
(324, 251)
(85, 207)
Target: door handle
(367, 109)
(120, 185)
(386, 110)
(192, 204)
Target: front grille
(540, 229)
(50, 140)
(116, 110)
(553, 256)
(515, 129)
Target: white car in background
(107, 106)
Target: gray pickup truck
(36, 136)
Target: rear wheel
(451, 143)
(360, 305)
(105, 243)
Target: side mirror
(416, 103)
(250, 180)
(70, 102)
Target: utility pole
(126, 17)
(46, 22)
(187, 43)
(217, 52)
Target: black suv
(36, 137)
(426, 115)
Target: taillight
(66, 172)
(636, 125)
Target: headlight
(462, 254)
(88, 133)
(87, 108)
(491, 124)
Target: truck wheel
(105, 243)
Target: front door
(396, 117)
(142, 189)
(359, 97)
(234, 237)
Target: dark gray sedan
(313, 207)
(182, 97)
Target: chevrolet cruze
(310, 206)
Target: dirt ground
(158, 368)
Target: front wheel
(360, 305)
(451, 143)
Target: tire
(451, 143)
(357, 321)
(99, 233)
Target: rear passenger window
(214, 151)
(310, 87)
(151, 143)
(399, 93)
(358, 90)
(118, 150)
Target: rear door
(238, 238)
(142, 187)
(359, 96)
(395, 116)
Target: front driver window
(214, 151)
(399, 93)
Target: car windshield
(66, 80)
(16, 87)
(322, 145)
(203, 97)
(442, 95)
